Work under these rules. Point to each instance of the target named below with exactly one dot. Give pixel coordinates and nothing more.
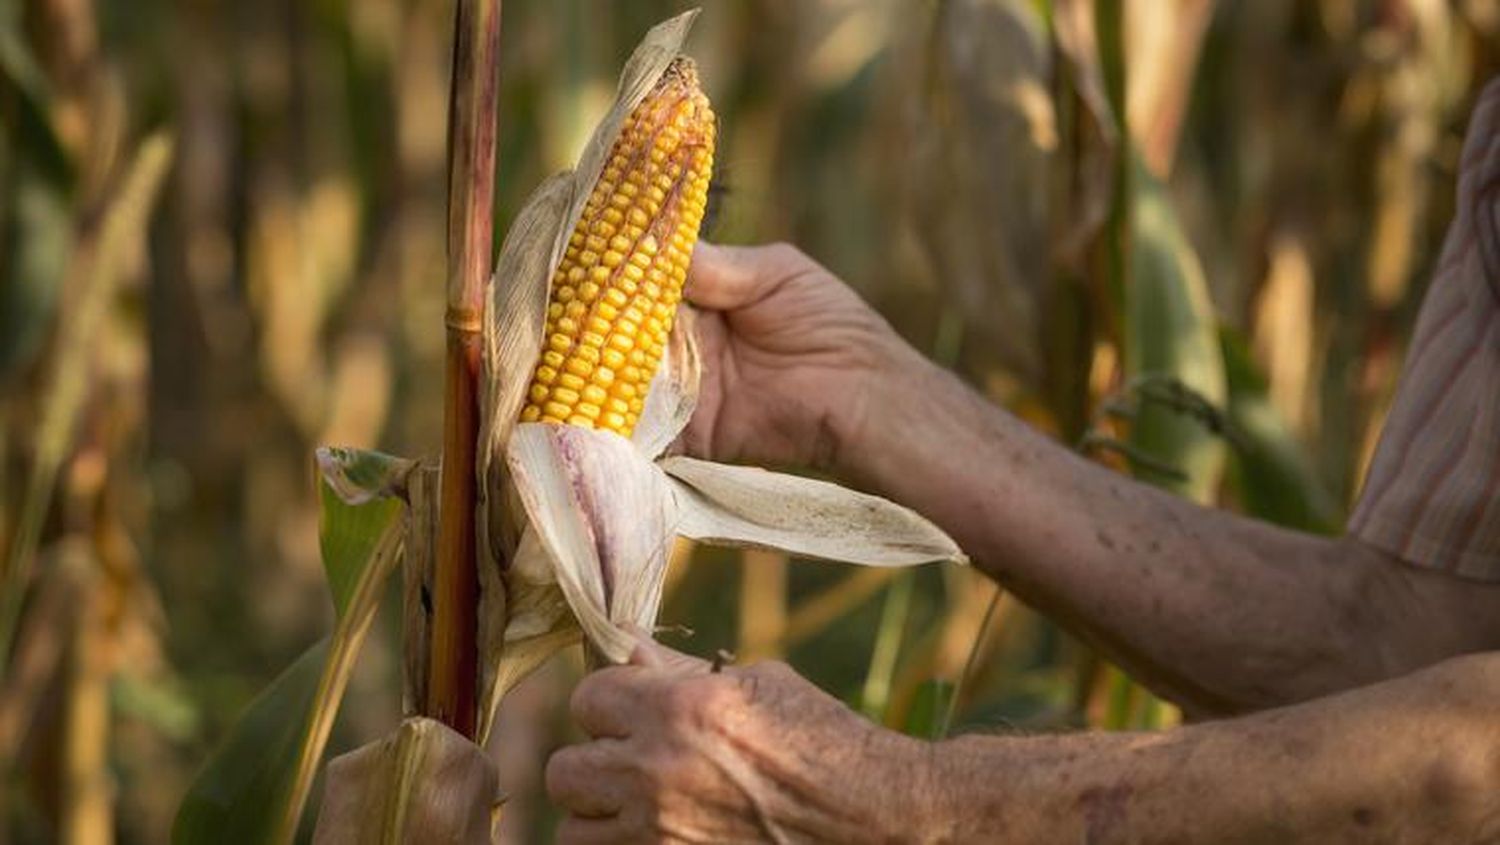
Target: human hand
(791, 358)
(682, 754)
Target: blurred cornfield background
(221, 244)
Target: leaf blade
(1170, 333)
(253, 787)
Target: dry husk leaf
(674, 391)
(746, 506)
(605, 516)
(423, 783)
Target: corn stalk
(453, 665)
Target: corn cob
(615, 294)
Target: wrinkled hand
(681, 754)
(791, 357)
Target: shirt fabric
(1432, 496)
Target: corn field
(1188, 237)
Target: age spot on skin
(1103, 811)
(1364, 816)
(1105, 540)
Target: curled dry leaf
(423, 783)
(358, 476)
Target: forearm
(1411, 760)
(1180, 594)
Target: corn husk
(750, 507)
(587, 519)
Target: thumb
(724, 278)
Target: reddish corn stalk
(453, 664)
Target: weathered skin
(1385, 731)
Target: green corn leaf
(357, 498)
(928, 716)
(238, 794)
(36, 233)
(254, 787)
(1171, 337)
(1269, 471)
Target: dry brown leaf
(423, 783)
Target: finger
(728, 277)
(577, 830)
(588, 780)
(603, 700)
(651, 654)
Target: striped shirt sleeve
(1432, 496)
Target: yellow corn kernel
(616, 291)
